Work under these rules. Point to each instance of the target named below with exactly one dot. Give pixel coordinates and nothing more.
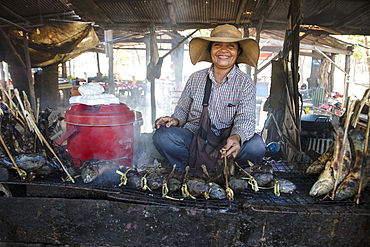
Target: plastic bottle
(273, 147)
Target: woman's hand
(232, 146)
(167, 121)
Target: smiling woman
(224, 56)
(216, 111)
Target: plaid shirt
(232, 102)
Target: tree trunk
(49, 87)
(19, 78)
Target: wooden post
(64, 70)
(153, 55)
(108, 35)
(346, 80)
(3, 82)
(177, 58)
(32, 96)
(50, 87)
(246, 35)
(99, 75)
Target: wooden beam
(90, 14)
(129, 26)
(240, 11)
(108, 35)
(171, 12)
(29, 75)
(15, 25)
(152, 79)
(350, 18)
(13, 13)
(10, 46)
(178, 44)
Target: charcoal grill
(123, 213)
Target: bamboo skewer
(346, 127)
(33, 127)
(37, 109)
(366, 146)
(359, 107)
(229, 191)
(21, 173)
(28, 107)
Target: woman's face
(224, 54)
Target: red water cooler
(101, 131)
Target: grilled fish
(263, 178)
(341, 153)
(93, 168)
(197, 186)
(134, 179)
(173, 184)
(325, 182)
(155, 180)
(30, 162)
(349, 186)
(318, 165)
(238, 184)
(286, 186)
(216, 191)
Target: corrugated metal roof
(135, 16)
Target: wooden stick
(346, 126)
(359, 107)
(21, 173)
(27, 105)
(366, 146)
(33, 127)
(37, 110)
(229, 191)
(12, 107)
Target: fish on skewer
(318, 165)
(325, 182)
(93, 168)
(350, 184)
(238, 184)
(366, 172)
(341, 162)
(197, 186)
(215, 190)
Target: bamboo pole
(33, 127)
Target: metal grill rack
(264, 200)
(299, 201)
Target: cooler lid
(101, 115)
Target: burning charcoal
(30, 162)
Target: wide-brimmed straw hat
(224, 33)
